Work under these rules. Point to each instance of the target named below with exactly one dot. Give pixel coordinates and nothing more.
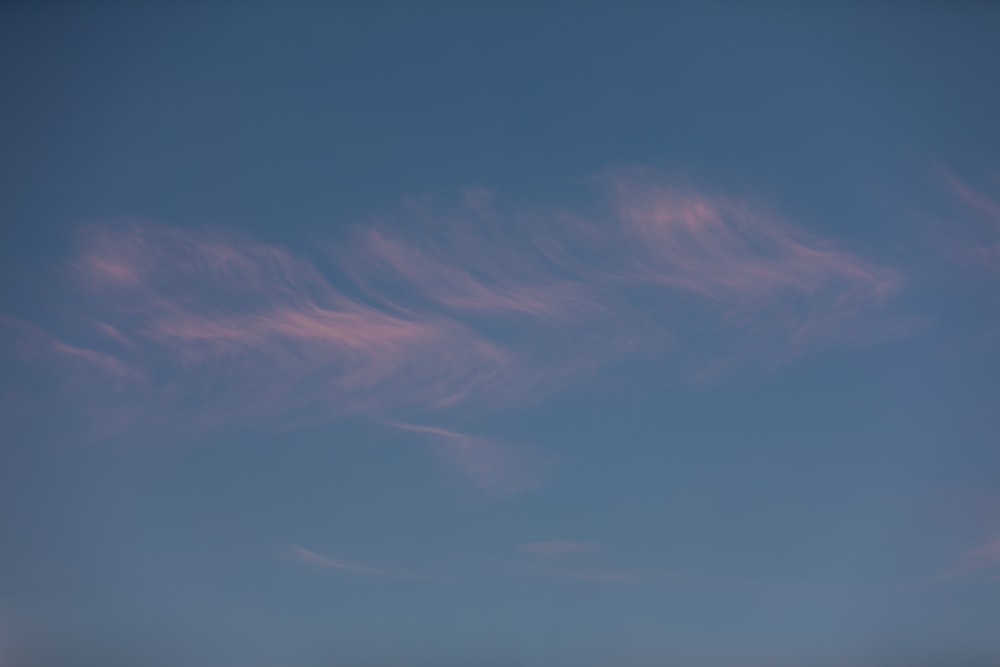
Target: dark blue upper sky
(440, 334)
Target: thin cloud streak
(970, 197)
(619, 576)
(486, 306)
(29, 341)
(273, 333)
(309, 557)
(558, 548)
(725, 251)
(975, 563)
(491, 467)
(979, 232)
(756, 275)
(985, 557)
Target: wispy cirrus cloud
(638, 577)
(978, 561)
(736, 266)
(977, 239)
(598, 575)
(266, 333)
(558, 548)
(771, 289)
(734, 254)
(985, 557)
(473, 306)
(33, 343)
(302, 555)
(490, 466)
(973, 198)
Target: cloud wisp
(595, 575)
(977, 240)
(558, 548)
(300, 554)
(984, 559)
(638, 577)
(490, 466)
(473, 306)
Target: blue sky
(440, 335)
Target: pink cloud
(976, 562)
(491, 467)
(984, 557)
(442, 281)
(988, 554)
(972, 198)
(557, 547)
(274, 333)
(762, 277)
(753, 279)
(976, 238)
(628, 576)
(475, 306)
(32, 342)
(308, 557)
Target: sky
(500, 334)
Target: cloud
(981, 560)
(629, 576)
(728, 252)
(985, 557)
(473, 306)
(733, 265)
(33, 343)
(557, 547)
(257, 332)
(972, 198)
(976, 240)
(754, 275)
(302, 555)
(491, 467)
